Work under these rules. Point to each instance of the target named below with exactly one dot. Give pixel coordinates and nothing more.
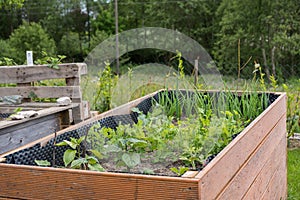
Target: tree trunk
(273, 61)
(266, 63)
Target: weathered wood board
(25, 78)
(27, 74)
(16, 133)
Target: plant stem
(53, 153)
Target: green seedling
(74, 159)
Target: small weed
(179, 171)
(102, 99)
(52, 62)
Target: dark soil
(148, 165)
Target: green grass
(294, 174)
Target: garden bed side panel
(236, 169)
(28, 182)
(256, 167)
(16, 133)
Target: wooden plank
(51, 183)
(261, 182)
(25, 74)
(73, 81)
(190, 174)
(283, 189)
(32, 105)
(65, 118)
(82, 112)
(277, 188)
(77, 113)
(24, 85)
(10, 110)
(43, 91)
(243, 179)
(227, 163)
(24, 133)
(41, 113)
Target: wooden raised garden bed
(25, 81)
(251, 166)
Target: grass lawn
(294, 174)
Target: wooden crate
(252, 166)
(51, 117)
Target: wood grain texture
(50, 183)
(24, 133)
(263, 179)
(42, 91)
(17, 133)
(25, 74)
(244, 178)
(277, 186)
(42, 112)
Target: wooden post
(196, 71)
(117, 35)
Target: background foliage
(268, 31)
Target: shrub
(69, 45)
(30, 36)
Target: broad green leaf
(42, 162)
(175, 170)
(63, 143)
(71, 143)
(97, 153)
(61, 57)
(122, 143)
(80, 140)
(66, 142)
(76, 164)
(112, 148)
(179, 171)
(69, 156)
(182, 170)
(96, 167)
(131, 159)
(91, 160)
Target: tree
(194, 18)
(70, 47)
(30, 36)
(105, 19)
(267, 30)
(11, 3)
(97, 38)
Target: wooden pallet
(21, 80)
